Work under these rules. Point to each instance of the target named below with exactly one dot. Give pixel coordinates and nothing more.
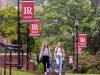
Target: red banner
(27, 11)
(35, 28)
(70, 59)
(82, 40)
(79, 49)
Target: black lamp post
(19, 42)
(76, 25)
(27, 61)
(55, 22)
(73, 37)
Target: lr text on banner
(35, 28)
(70, 59)
(27, 11)
(82, 40)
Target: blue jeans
(59, 61)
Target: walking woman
(59, 57)
(45, 54)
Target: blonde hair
(62, 48)
(61, 45)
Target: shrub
(88, 64)
(41, 67)
(93, 71)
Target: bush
(93, 71)
(41, 67)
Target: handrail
(11, 47)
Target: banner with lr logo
(35, 28)
(27, 11)
(70, 59)
(82, 40)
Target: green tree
(95, 4)
(59, 16)
(9, 22)
(9, 25)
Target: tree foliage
(9, 29)
(59, 17)
(8, 22)
(57, 22)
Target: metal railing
(10, 63)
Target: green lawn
(81, 74)
(18, 72)
(15, 72)
(21, 73)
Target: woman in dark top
(45, 54)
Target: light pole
(27, 61)
(55, 22)
(76, 25)
(73, 37)
(19, 43)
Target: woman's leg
(60, 64)
(48, 64)
(44, 63)
(57, 64)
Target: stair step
(13, 64)
(9, 63)
(16, 65)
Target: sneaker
(60, 73)
(45, 73)
(56, 70)
(47, 70)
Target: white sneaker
(60, 73)
(45, 73)
(47, 70)
(56, 70)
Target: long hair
(45, 44)
(61, 46)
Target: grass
(18, 72)
(81, 74)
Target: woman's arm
(55, 52)
(40, 55)
(63, 53)
(50, 55)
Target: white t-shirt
(59, 52)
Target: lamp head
(76, 22)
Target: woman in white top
(45, 54)
(59, 57)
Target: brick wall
(14, 59)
